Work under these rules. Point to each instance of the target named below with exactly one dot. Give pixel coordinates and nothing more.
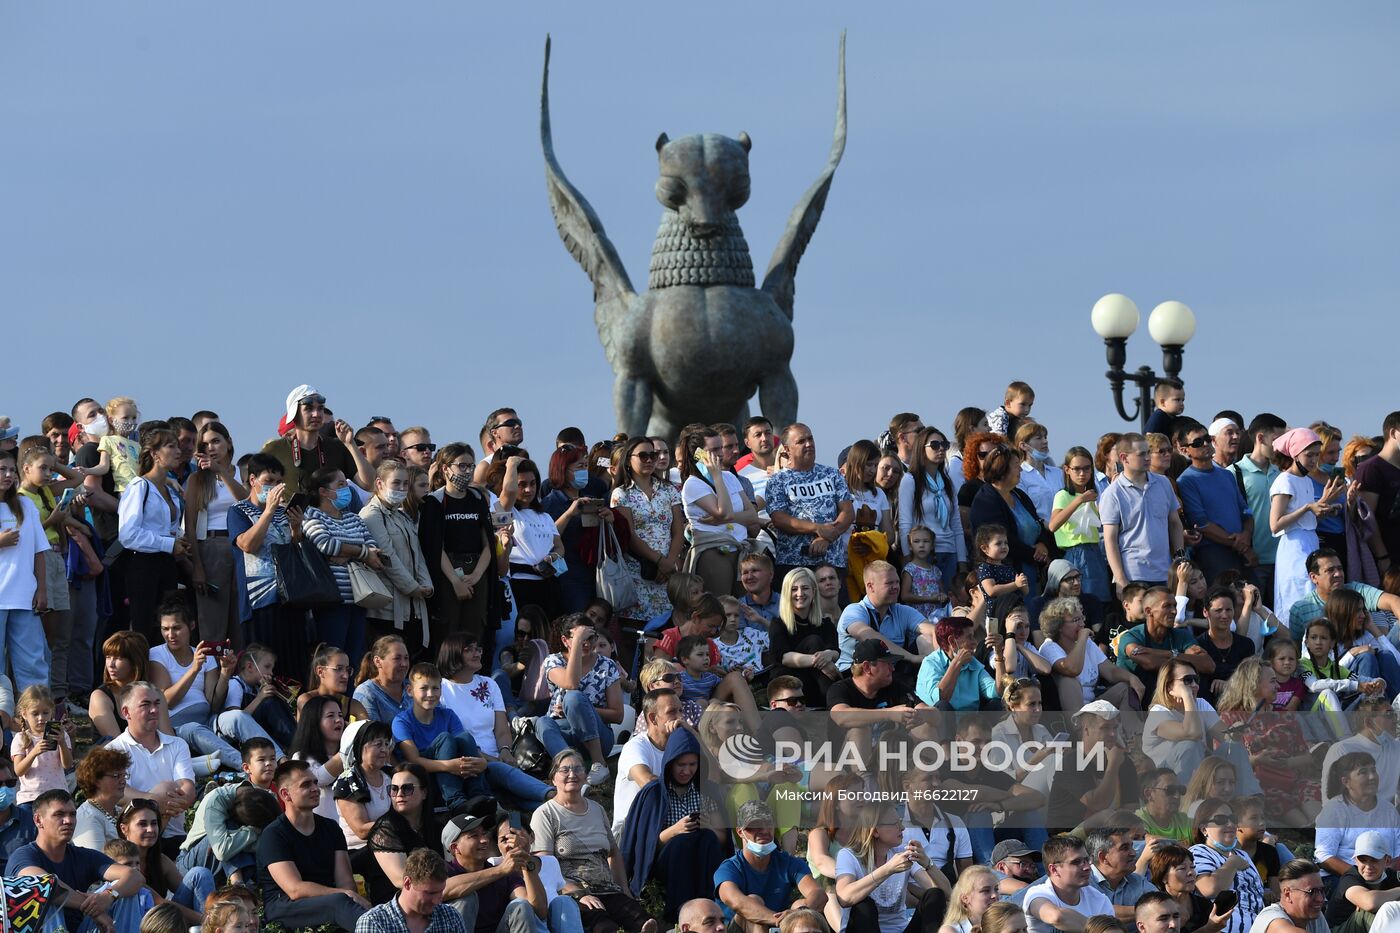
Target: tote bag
(613, 579)
(304, 579)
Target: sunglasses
(1221, 819)
(671, 678)
(422, 448)
(402, 790)
(508, 423)
(1197, 443)
(937, 445)
(1308, 892)
(645, 456)
(787, 701)
(139, 803)
(1191, 680)
(983, 454)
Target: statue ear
(745, 141)
(661, 141)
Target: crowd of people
(362, 680)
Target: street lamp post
(1171, 324)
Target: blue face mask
(1039, 456)
(580, 479)
(7, 797)
(760, 848)
(1329, 469)
(1138, 846)
(261, 497)
(1220, 847)
(342, 497)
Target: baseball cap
(9, 433)
(1099, 708)
(755, 811)
(1371, 844)
(479, 812)
(870, 650)
(1012, 848)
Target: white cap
(1371, 844)
(1220, 424)
(1099, 708)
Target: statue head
(704, 178)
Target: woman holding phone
(210, 492)
(577, 501)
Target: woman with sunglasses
(409, 824)
(653, 508)
(926, 498)
(1221, 866)
(1287, 772)
(140, 824)
(1179, 721)
(577, 501)
(1172, 869)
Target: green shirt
(1178, 828)
(1256, 493)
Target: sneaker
(598, 774)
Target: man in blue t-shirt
(810, 505)
(757, 883)
(1215, 503)
(53, 852)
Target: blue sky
(205, 205)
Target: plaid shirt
(389, 918)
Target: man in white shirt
(641, 758)
(762, 458)
(1065, 900)
(1374, 722)
(160, 764)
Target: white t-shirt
(534, 534)
(17, 581)
(476, 703)
(1089, 674)
(639, 750)
(757, 477)
(215, 514)
(194, 697)
(934, 838)
(1300, 492)
(888, 896)
(1092, 903)
(696, 489)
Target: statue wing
(579, 226)
(782, 268)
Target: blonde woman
(1002, 917)
(718, 722)
(878, 872)
(975, 891)
(804, 645)
(1179, 721)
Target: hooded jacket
(641, 834)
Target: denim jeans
(203, 741)
(200, 854)
(23, 645)
(240, 727)
(581, 723)
(197, 884)
(343, 626)
(564, 916)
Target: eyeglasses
(115, 774)
(569, 769)
(1081, 862)
(646, 456)
(339, 669)
(1171, 790)
(402, 790)
(508, 423)
(422, 448)
(1308, 892)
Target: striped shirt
(330, 535)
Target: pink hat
(1293, 442)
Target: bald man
(701, 915)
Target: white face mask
(394, 496)
(98, 428)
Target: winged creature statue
(701, 340)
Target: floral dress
(1276, 735)
(651, 521)
(927, 582)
